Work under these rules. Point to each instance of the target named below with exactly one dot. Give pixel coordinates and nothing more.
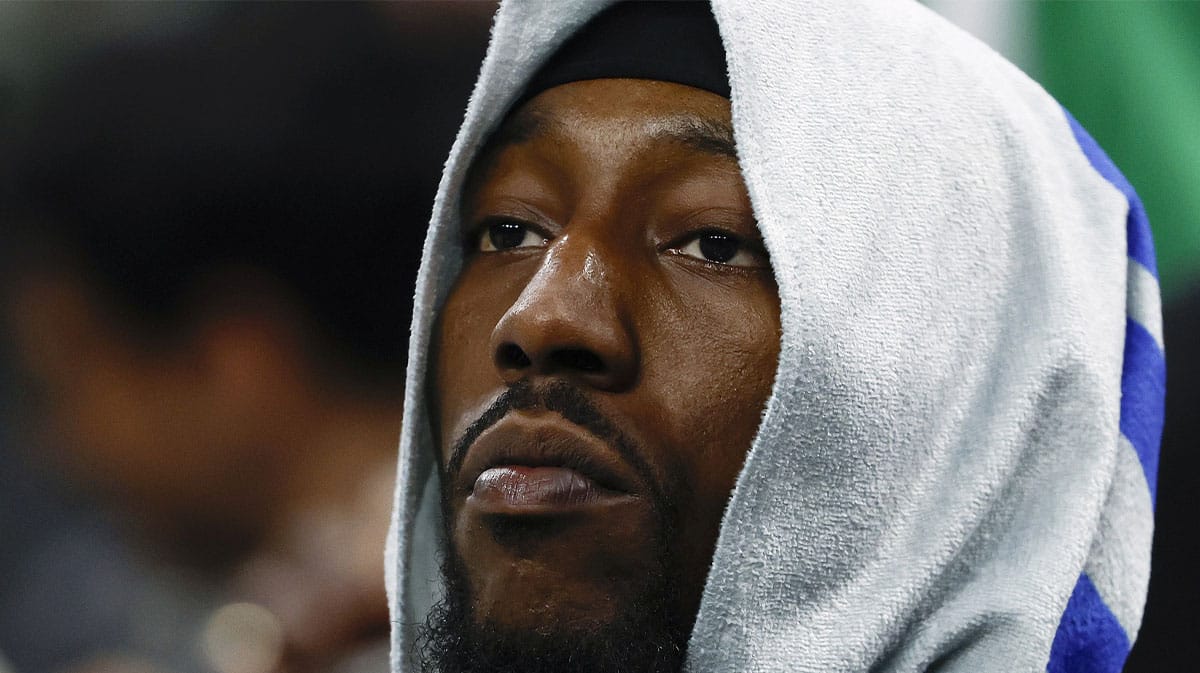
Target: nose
(570, 321)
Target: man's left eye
(720, 248)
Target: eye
(508, 235)
(720, 248)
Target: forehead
(624, 113)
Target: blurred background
(211, 217)
(210, 220)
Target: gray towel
(955, 469)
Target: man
(842, 395)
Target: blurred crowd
(210, 219)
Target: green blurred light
(1130, 72)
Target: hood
(955, 469)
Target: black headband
(669, 41)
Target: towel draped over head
(955, 470)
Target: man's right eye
(509, 235)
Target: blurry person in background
(209, 243)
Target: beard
(646, 635)
(648, 632)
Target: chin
(560, 606)
(572, 573)
(538, 602)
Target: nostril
(578, 359)
(511, 356)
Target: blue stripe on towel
(1137, 227)
(1143, 386)
(1143, 372)
(1089, 638)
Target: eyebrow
(698, 133)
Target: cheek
(464, 376)
(715, 350)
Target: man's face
(603, 362)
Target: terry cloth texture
(954, 471)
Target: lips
(522, 486)
(542, 464)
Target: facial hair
(646, 636)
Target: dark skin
(612, 250)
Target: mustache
(565, 399)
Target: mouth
(539, 465)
